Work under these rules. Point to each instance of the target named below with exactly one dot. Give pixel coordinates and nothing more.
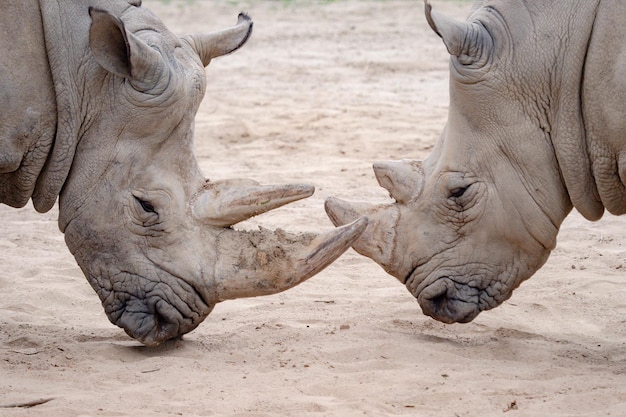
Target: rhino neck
(567, 126)
(66, 26)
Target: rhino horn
(214, 44)
(403, 179)
(470, 42)
(122, 53)
(264, 262)
(224, 203)
(378, 241)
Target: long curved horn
(224, 203)
(264, 262)
(214, 44)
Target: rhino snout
(155, 312)
(449, 301)
(150, 325)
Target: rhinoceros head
(481, 213)
(151, 234)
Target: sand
(322, 90)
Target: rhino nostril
(160, 323)
(434, 301)
(437, 302)
(165, 322)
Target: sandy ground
(321, 91)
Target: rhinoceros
(536, 127)
(98, 105)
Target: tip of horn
(340, 239)
(340, 212)
(385, 175)
(403, 179)
(330, 246)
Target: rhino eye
(458, 192)
(147, 207)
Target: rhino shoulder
(28, 117)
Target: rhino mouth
(153, 312)
(152, 323)
(451, 301)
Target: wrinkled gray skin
(101, 116)
(536, 126)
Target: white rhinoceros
(536, 126)
(98, 104)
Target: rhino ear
(214, 44)
(469, 42)
(124, 54)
